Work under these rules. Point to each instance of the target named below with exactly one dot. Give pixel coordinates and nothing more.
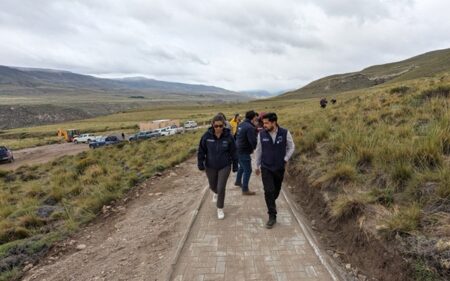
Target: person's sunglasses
(218, 126)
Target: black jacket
(246, 137)
(217, 153)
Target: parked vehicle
(69, 134)
(84, 138)
(6, 154)
(190, 124)
(176, 129)
(109, 140)
(144, 135)
(164, 131)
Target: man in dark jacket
(275, 148)
(217, 155)
(246, 144)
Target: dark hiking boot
(248, 192)
(237, 184)
(271, 222)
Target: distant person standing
(274, 149)
(234, 122)
(217, 156)
(246, 143)
(123, 136)
(323, 102)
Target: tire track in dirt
(43, 154)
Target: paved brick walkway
(240, 248)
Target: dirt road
(43, 154)
(134, 240)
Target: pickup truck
(6, 155)
(144, 136)
(84, 138)
(110, 140)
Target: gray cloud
(237, 44)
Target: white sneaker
(220, 214)
(214, 198)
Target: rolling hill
(32, 96)
(424, 65)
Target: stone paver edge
(186, 234)
(332, 268)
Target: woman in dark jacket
(217, 156)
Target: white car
(190, 125)
(165, 131)
(84, 138)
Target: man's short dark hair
(271, 116)
(250, 114)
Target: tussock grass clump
(383, 196)
(348, 206)
(365, 158)
(13, 233)
(401, 173)
(438, 92)
(399, 90)
(344, 173)
(404, 219)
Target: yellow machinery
(68, 134)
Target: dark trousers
(245, 171)
(272, 181)
(217, 182)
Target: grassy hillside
(382, 160)
(425, 65)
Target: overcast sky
(236, 44)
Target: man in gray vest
(274, 149)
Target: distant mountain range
(261, 94)
(33, 96)
(47, 81)
(424, 65)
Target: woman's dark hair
(218, 118)
(271, 116)
(223, 115)
(250, 114)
